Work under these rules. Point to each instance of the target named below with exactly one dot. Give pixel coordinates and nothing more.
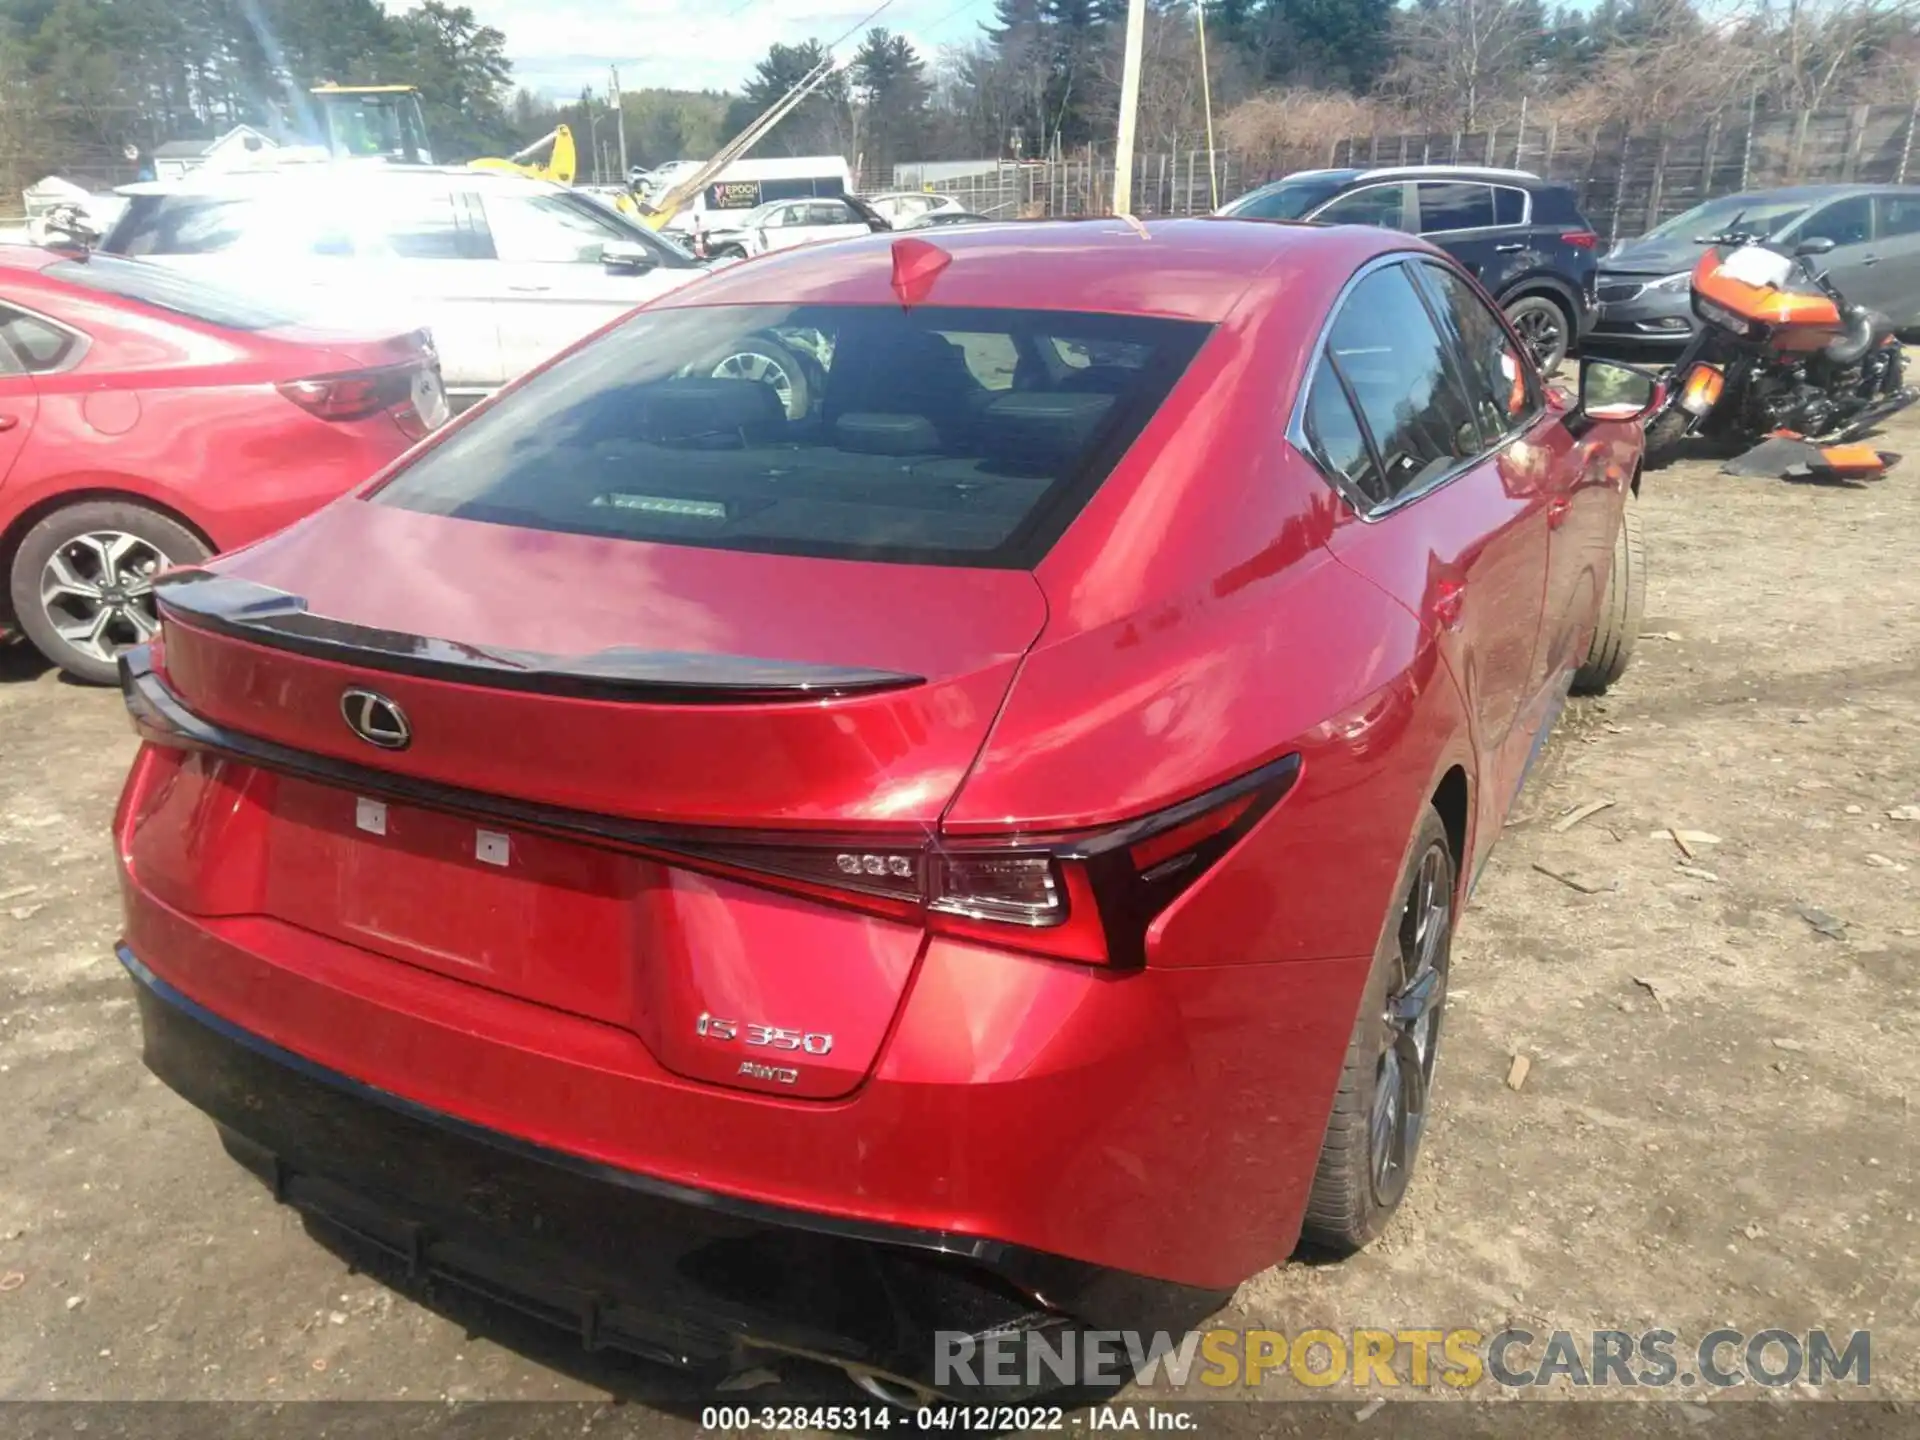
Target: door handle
(530, 289)
(7, 422)
(1870, 260)
(1558, 509)
(1508, 249)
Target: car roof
(1816, 192)
(1470, 172)
(30, 258)
(1188, 269)
(344, 174)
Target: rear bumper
(630, 1263)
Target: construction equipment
(371, 121)
(659, 212)
(560, 165)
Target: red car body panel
(1214, 607)
(180, 414)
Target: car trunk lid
(586, 721)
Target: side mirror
(1819, 246)
(1611, 390)
(628, 259)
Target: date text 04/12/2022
(984, 1419)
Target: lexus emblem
(376, 719)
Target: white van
(748, 184)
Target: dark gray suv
(1522, 237)
(1875, 261)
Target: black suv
(1523, 237)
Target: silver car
(1644, 291)
(504, 270)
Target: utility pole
(1129, 105)
(1206, 103)
(620, 110)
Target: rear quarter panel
(188, 419)
(1199, 628)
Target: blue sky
(558, 45)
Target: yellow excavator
(560, 165)
(372, 122)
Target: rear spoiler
(262, 615)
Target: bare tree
(1457, 59)
(1825, 46)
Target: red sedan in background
(980, 855)
(147, 420)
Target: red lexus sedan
(147, 420)
(980, 856)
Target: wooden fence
(1628, 180)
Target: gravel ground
(1715, 1127)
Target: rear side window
(543, 227)
(936, 435)
(1394, 361)
(167, 289)
(1500, 386)
(1557, 205)
(31, 344)
(1453, 205)
(1509, 205)
(426, 225)
(1334, 433)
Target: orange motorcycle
(1779, 352)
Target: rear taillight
(411, 393)
(1088, 896)
(1581, 239)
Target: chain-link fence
(1628, 180)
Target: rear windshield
(1288, 200)
(938, 435)
(168, 289)
(181, 225)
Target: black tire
(794, 378)
(1545, 327)
(1664, 435)
(1354, 1196)
(75, 535)
(1621, 608)
(729, 252)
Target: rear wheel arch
(1452, 800)
(1547, 287)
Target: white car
(502, 269)
(781, 224)
(901, 208)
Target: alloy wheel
(756, 365)
(97, 592)
(1416, 993)
(1544, 333)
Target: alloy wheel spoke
(59, 578)
(142, 619)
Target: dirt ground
(1716, 1128)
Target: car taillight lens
(1087, 896)
(412, 392)
(1581, 239)
(1090, 896)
